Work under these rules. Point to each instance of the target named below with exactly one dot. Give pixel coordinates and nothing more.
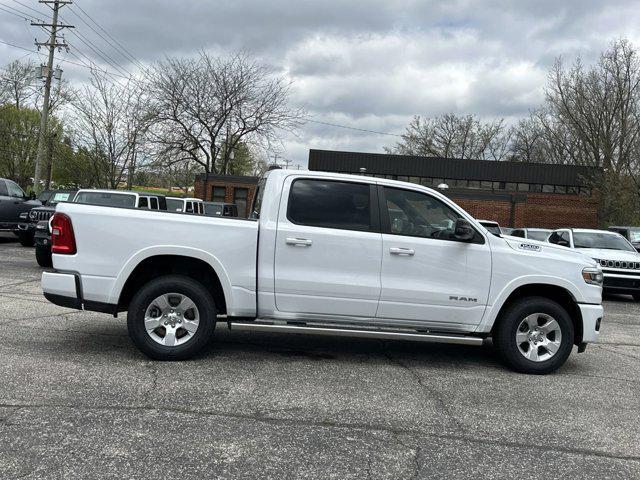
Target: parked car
(322, 257)
(630, 233)
(185, 205)
(618, 258)
(28, 220)
(219, 209)
(121, 198)
(112, 198)
(506, 230)
(13, 203)
(540, 234)
(493, 227)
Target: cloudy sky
(369, 64)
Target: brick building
(515, 194)
(236, 189)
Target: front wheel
(534, 335)
(26, 239)
(172, 318)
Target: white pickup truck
(327, 254)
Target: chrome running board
(355, 332)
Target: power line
(95, 67)
(94, 48)
(30, 8)
(126, 55)
(354, 128)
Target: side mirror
(464, 232)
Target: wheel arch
(559, 294)
(195, 264)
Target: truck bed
(112, 241)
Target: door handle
(402, 251)
(298, 242)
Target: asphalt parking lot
(79, 401)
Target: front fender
(141, 255)
(492, 311)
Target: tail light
(63, 241)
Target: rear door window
(154, 203)
(330, 204)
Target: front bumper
(621, 283)
(591, 319)
(26, 227)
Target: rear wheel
(43, 257)
(172, 318)
(534, 335)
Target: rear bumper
(65, 290)
(591, 318)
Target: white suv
(618, 258)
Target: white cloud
(371, 64)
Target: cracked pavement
(77, 400)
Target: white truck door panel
(426, 275)
(327, 253)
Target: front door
(328, 249)
(427, 275)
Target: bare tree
(204, 107)
(452, 136)
(17, 84)
(110, 122)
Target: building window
(547, 188)
(403, 178)
(218, 194)
(414, 180)
(426, 181)
(573, 190)
(511, 186)
(561, 189)
(523, 187)
(474, 184)
(535, 187)
(486, 185)
(240, 199)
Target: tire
(524, 320)
(26, 240)
(43, 257)
(173, 333)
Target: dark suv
(630, 233)
(13, 203)
(28, 220)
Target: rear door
(427, 275)
(328, 248)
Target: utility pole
(51, 28)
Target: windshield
(539, 234)
(607, 241)
(174, 204)
(107, 199)
(634, 235)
